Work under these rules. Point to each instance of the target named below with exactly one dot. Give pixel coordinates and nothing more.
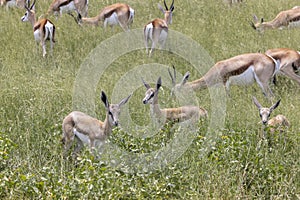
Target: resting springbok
(43, 29)
(289, 61)
(116, 14)
(13, 3)
(60, 6)
(77, 124)
(179, 114)
(279, 122)
(244, 69)
(288, 18)
(157, 29)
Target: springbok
(289, 61)
(288, 18)
(244, 69)
(77, 124)
(43, 29)
(116, 14)
(157, 29)
(60, 6)
(179, 114)
(13, 3)
(279, 122)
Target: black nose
(144, 102)
(265, 122)
(116, 123)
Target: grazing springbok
(277, 123)
(13, 3)
(244, 69)
(157, 29)
(60, 6)
(77, 124)
(288, 18)
(43, 29)
(289, 61)
(116, 14)
(179, 114)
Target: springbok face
(256, 24)
(265, 112)
(176, 87)
(168, 12)
(151, 92)
(113, 110)
(29, 12)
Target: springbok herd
(244, 69)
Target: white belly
(294, 24)
(86, 140)
(68, 7)
(37, 35)
(246, 78)
(112, 20)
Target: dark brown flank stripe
(295, 19)
(236, 72)
(108, 14)
(65, 3)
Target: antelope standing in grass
(43, 29)
(277, 123)
(243, 69)
(60, 6)
(157, 30)
(116, 14)
(288, 18)
(77, 124)
(289, 61)
(179, 114)
(13, 3)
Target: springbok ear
(123, 101)
(161, 8)
(173, 78)
(158, 84)
(255, 18)
(185, 78)
(146, 84)
(262, 20)
(104, 100)
(255, 101)
(275, 105)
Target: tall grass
(36, 94)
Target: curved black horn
(172, 6)
(165, 5)
(32, 5)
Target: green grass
(36, 94)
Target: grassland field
(36, 93)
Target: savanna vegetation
(36, 93)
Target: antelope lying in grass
(287, 18)
(77, 124)
(289, 61)
(179, 114)
(43, 29)
(116, 14)
(243, 69)
(13, 3)
(277, 123)
(157, 29)
(60, 6)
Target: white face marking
(25, 17)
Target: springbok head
(176, 87)
(113, 110)
(151, 93)
(30, 12)
(256, 24)
(265, 112)
(167, 11)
